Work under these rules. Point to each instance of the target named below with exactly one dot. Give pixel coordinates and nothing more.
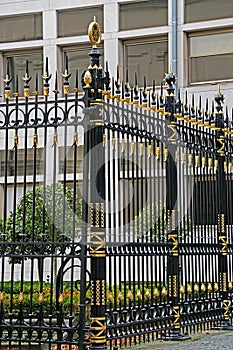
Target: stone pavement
(211, 340)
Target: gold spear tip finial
(219, 97)
(170, 69)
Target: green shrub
(44, 215)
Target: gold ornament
(189, 289)
(21, 297)
(147, 294)
(110, 297)
(61, 299)
(120, 296)
(94, 33)
(164, 292)
(129, 295)
(156, 292)
(182, 289)
(2, 296)
(203, 287)
(139, 294)
(87, 78)
(41, 298)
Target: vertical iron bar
(83, 253)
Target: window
(204, 10)
(148, 59)
(75, 21)
(69, 158)
(78, 57)
(21, 162)
(211, 57)
(143, 14)
(17, 61)
(18, 28)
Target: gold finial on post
(7, 80)
(219, 97)
(94, 33)
(26, 79)
(46, 77)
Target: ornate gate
(116, 221)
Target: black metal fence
(169, 215)
(120, 238)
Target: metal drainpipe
(174, 38)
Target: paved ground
(213, 340)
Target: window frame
(83, 8)
(193, 34)
(23, 15)
(214, 18)
(27, 52)
(141, 41)
(20, 162)
(65, 49)
(69, 156)
(122, 4)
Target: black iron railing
(133, 244)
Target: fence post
(222, 212)
(173, 268)
(93, 83)
(97, 232)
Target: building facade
(145, 36)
